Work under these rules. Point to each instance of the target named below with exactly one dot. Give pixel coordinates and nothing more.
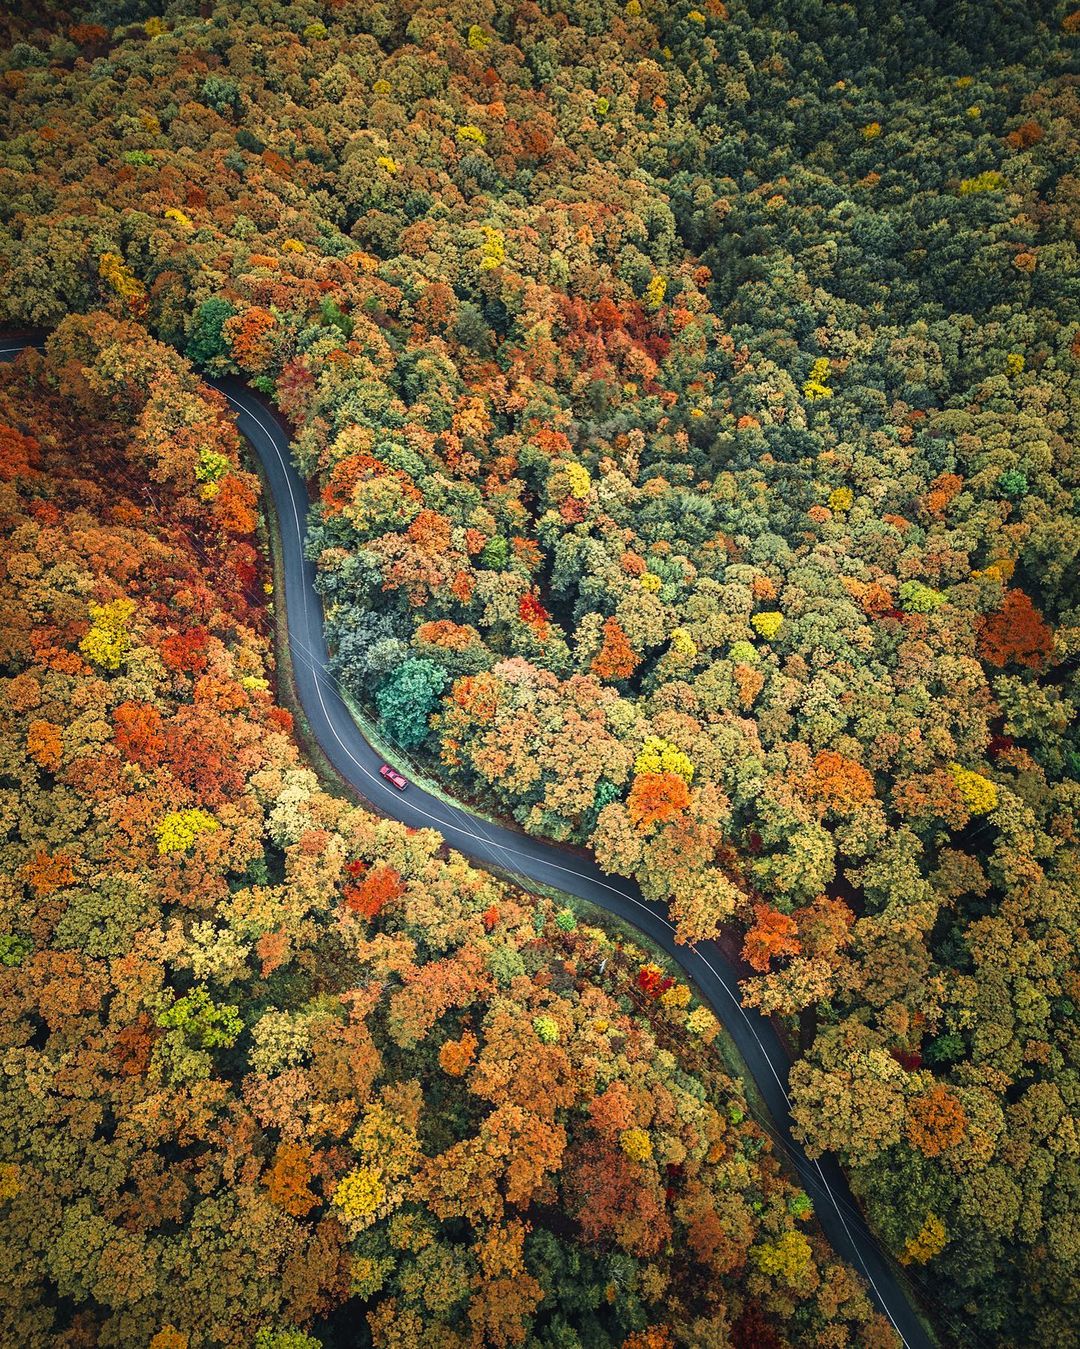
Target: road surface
(531, 859)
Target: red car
(392, 775)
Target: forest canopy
(273, 1065)
(691, 395)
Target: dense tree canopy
(279, 1072)
(691, 394)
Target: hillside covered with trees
(270, 1062)
(692, 399)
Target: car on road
(392, 775)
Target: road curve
(531, 859)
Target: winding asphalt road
(530, 859)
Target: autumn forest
(689, 404)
